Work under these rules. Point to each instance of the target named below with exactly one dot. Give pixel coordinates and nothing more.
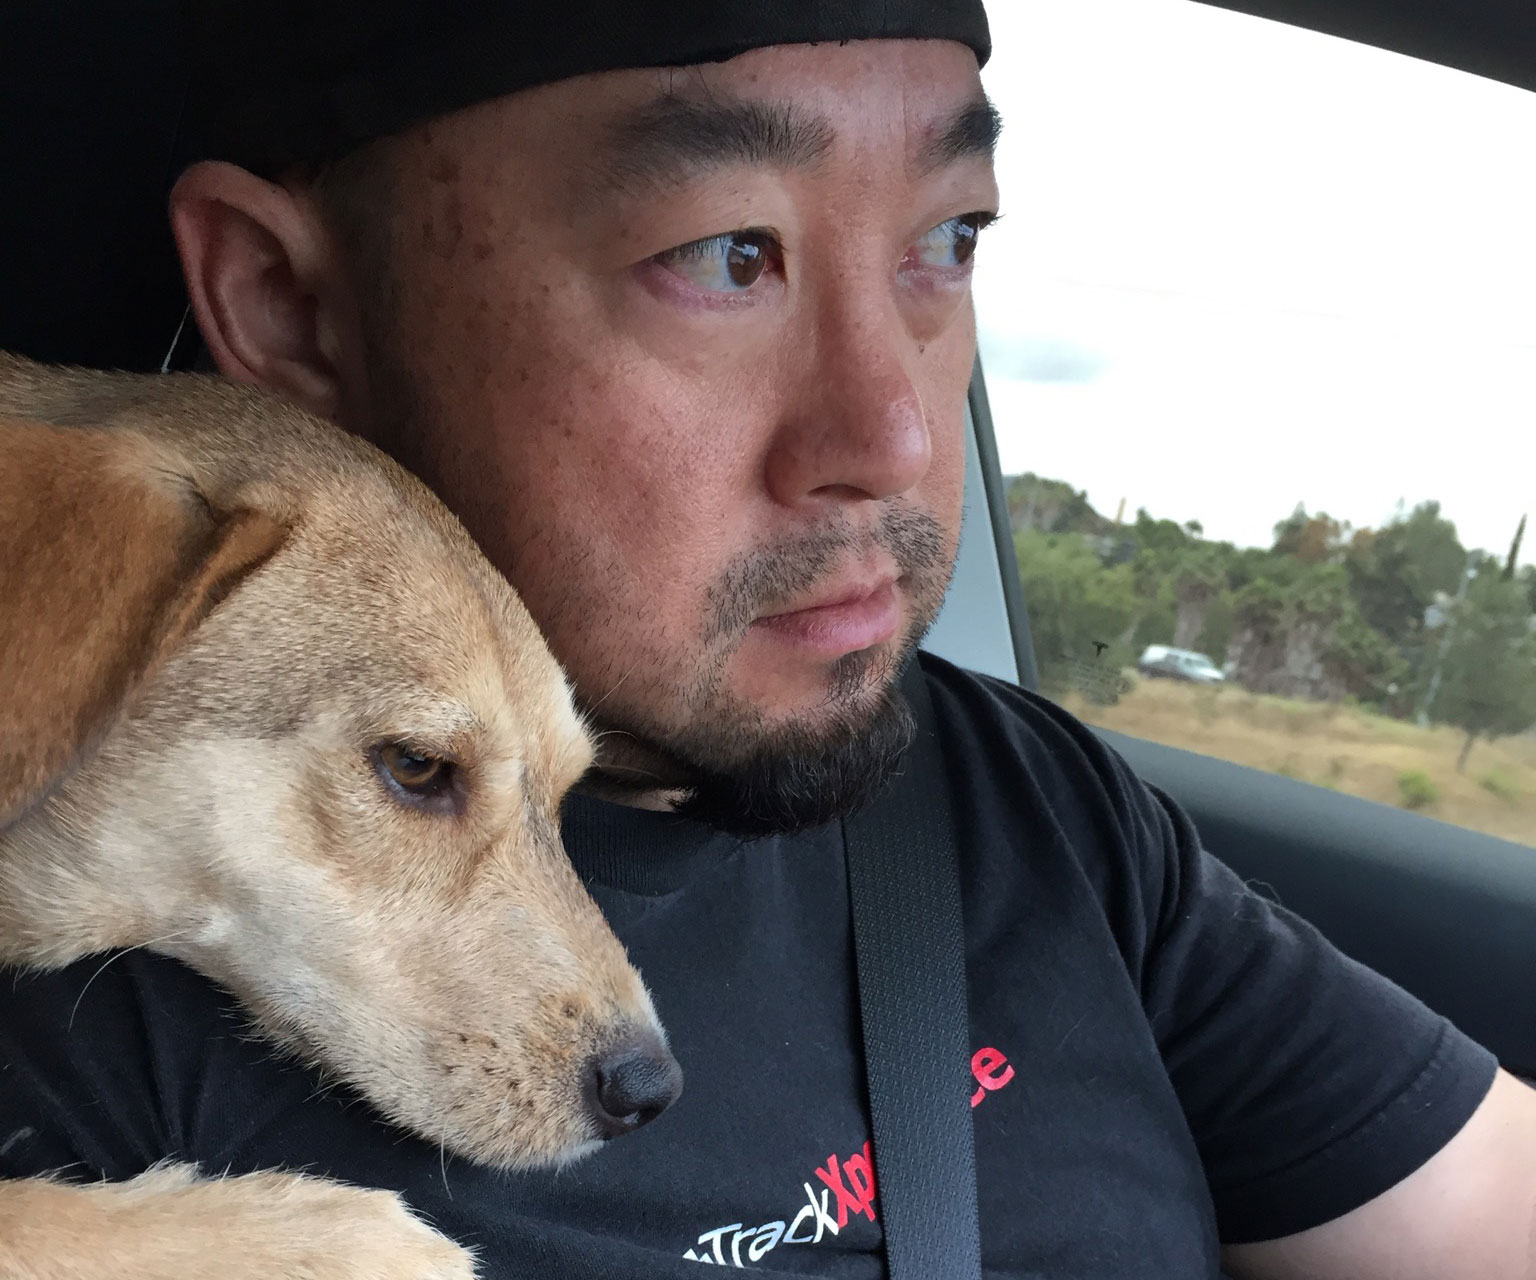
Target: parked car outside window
(1179, 664)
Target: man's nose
(857, 428)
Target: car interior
(91, 97)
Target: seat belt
(909, 954)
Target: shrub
(1497, 782)
(1416, 790)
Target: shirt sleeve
(1311, 1083)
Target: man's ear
(267, 289)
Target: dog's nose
(633, 1085)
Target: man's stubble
(723, 759)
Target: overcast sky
(1243, 266)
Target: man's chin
(813, 768)
(826, 700)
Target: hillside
(1340, 746)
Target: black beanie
(279, 82)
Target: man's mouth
(853, 613)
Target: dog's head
(269, 711)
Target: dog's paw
(347, 1233)
(284, 1224)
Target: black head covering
(287, 81)
(98, 119)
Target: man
(675, 315)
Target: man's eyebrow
(674, 138)
(970, 133)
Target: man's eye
(731, 263)
(953, 242)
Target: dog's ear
(108, 557)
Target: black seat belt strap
(909, 950)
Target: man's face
(687, 352)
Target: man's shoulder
(1012, 737)
(1038, 792)
(963, 696)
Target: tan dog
(265, 708)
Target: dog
(266, 709)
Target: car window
(1259, 330)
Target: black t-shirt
(1162, 1058)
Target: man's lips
(844, 620)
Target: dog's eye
(414, 776)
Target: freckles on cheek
(455, 327)
(664, 499)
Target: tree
(1396, 571)
(1198, 581)
(1315, 539)
(1514, 551)
(1488, 678)
(1051, 506)
(1176, 576)
(1080, 613)
(1153, 535)
(1300, 635)
(1325, 612)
